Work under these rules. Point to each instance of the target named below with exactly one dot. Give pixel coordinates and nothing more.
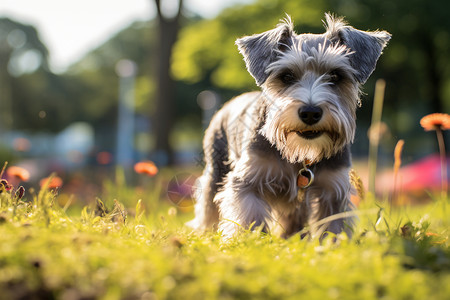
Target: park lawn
(46, 253)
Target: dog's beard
(299, 143)
(295, 148)
(298, 149)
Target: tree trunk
(163, 120)
(6, 113)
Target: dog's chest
(274, 178)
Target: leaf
(139, 211)
(379, 217)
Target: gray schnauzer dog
(279, 159)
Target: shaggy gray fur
(305, 114)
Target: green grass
(48, 253)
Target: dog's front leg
(241, 209)
(241, 206)
(206, 213)
(329, 196)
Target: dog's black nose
(310, 114)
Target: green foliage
(17, 38)
(415, 64)
(88, 91)
(21, 52)
(134, 253)
(98, 68)
(207, 49)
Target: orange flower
(439, 122)
(146, 167)
(18, 172)
(51, 182)
(104, 158)
(435, 121)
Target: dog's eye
(335, 76)
(288, 77)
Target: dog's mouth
(309, 134)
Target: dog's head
(312, 84)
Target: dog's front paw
(229, 229)
(194, 224)
(343, 226)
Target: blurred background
(86, 86)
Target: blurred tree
(163, 119)
(43, 101)
(98, 81)
(97, 70)
(207, 49)
(417, 57)
(21, 52)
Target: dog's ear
(365, 46)
(260, 50)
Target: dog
(279, 159)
